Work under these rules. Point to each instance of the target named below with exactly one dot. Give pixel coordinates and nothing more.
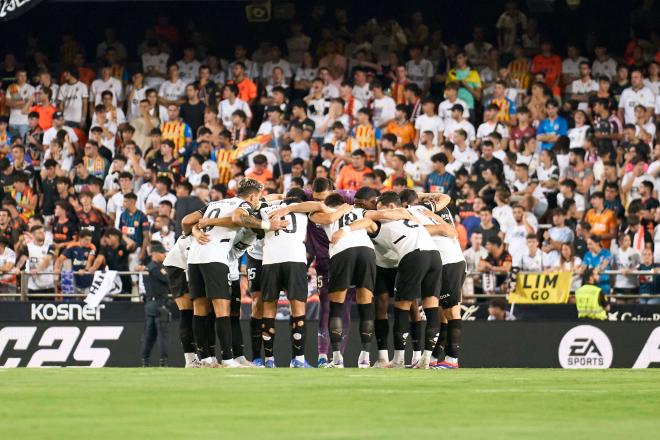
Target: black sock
(439, 350)
(186, 331)
(223, 329)
(236, 336)
(199, 334)
(366, 312)
(453, 346)
(268, 335)
(401, 328)
(210, 333)
(432, 328)
(382, 329)
(255, 333)
(335, 325)
(416, 335)
(298, 335)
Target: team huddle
(365, 246)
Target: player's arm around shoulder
(327, 216)
(389, 214)
(369, 225)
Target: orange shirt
(45, 115)
(247, 90)
(404, 133)
(601, 223)
(550, 66)
(261, 177)
(351, 179)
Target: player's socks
(384, 355)
(416, 335)
(210, 332)
(186, 331)
(335, 326)
(298, 336)
(401, 328)
(199, 333)
(432, 329)
(439, 350)
(381, 328)
(366, 312)
(255, 335)
(453, 346)
(300, 358)
(416, 355)
(363, 360)
(236, 336)
(268, 336)
(189, 357)
(223, 329)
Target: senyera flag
(251, 145)
(10, 9)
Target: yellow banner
(542, 288)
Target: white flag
(101, 286)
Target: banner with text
(542, 288)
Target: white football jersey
(217, 250)
(450, 248)
(36, 253)
(402, 237)
(385, 257)
(178, 255)
(353, 238)
(244, 238)
(285, 245)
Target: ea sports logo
(585, 346)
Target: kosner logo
(10, 6)
(585, 346)
(65, 312)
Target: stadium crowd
(549, 154)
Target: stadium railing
(23, 294)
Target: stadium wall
(68, 334)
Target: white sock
(451, 359)
(364, 355)
(427, 354)
(270, 358)
(213, 359)
(383, 355)
(336, 356)
(240, 359)
(189, 357)
(300, 358)
(398, 356)
(228, 362)
(208, 360)
(416, 355)
(323, 356)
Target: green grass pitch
(166, 403)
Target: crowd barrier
(21, 290)
(58, 334)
